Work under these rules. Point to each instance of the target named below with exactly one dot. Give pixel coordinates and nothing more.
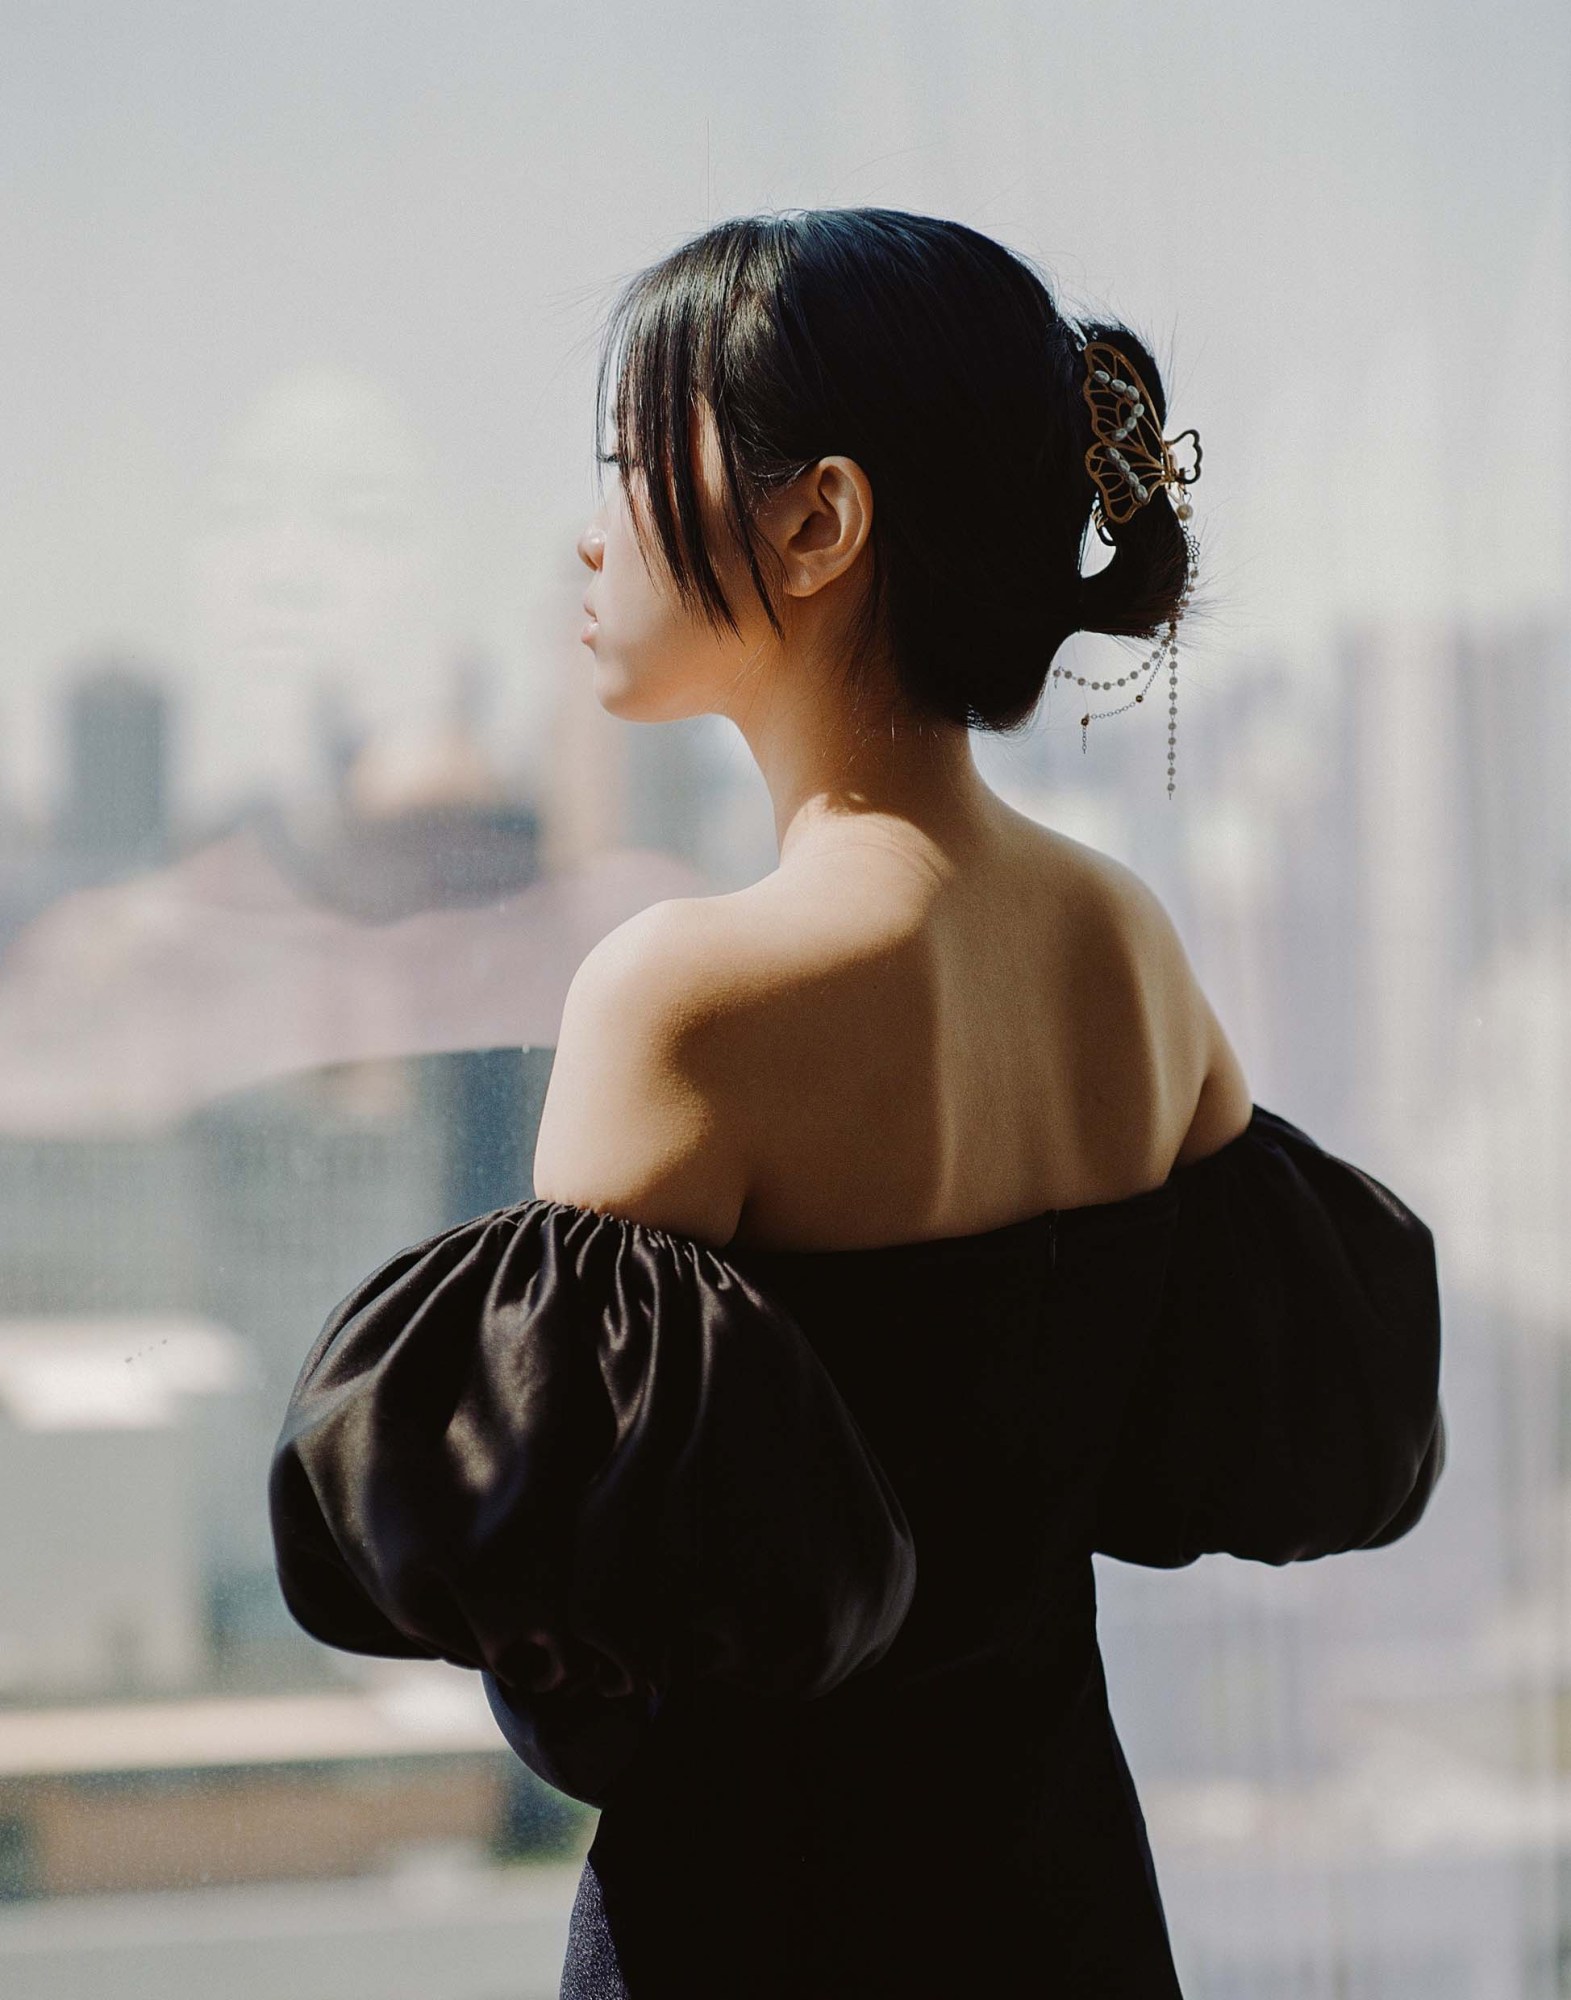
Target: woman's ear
(819, 524)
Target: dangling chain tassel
(1191, 569)
(1166, 648)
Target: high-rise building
(1513, 753)
(1401, 686)
(115, 802)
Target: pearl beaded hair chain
(1129, 460)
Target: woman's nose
(591, 546)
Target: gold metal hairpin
(1129, 458)
(1129, 461)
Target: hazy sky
(1344, 226)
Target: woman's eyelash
(609, 457)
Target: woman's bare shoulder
(1209, 1099)
(629, 1126)
(680, 1030)
(692, 963)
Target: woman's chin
(615, 690)
(651, 686)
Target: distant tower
(1409, 918)
(116, 795)
(1514, 692)
(338, 738)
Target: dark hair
(921, 349)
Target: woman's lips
(591, 627)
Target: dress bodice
(784, 1558)
(597, 1460)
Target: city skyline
(308, 814)
(1368, 361)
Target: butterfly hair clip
(1129, 458)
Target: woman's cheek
(639, 621)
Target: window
(308, 813)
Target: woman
(904, 1228)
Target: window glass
(308, 814)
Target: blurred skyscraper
(115, 799)
(1401, 710)
(1512, 770)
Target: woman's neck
(830, 777)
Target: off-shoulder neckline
(1084, 1215)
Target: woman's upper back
(885, 1042)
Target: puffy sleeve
(1287, 1403)
(584, 1456)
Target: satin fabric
(1287, 1405)
(583, 1456)
(832, 1514)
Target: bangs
(670, 349)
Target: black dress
(783, 1559)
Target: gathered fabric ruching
(583, 1456)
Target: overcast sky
(380, 237)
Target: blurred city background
(307, 815)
